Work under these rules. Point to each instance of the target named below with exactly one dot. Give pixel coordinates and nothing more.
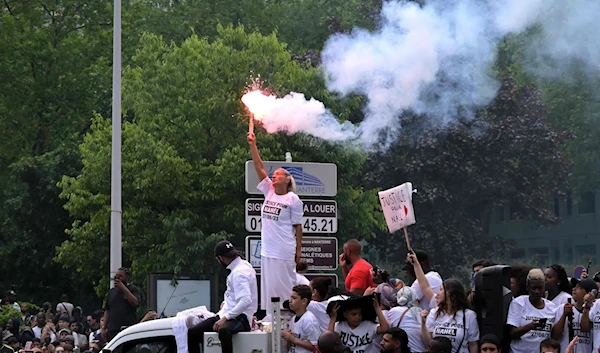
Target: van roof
(151, 328)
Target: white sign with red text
(397, 206)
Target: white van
(156, 336)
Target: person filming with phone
(531, 317)
(121, 305)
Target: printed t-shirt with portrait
(435, 282)
(360, 339)
(305, 328)
(453, 327)
(561, 299)
(279, 214)
(595, 318)
(411, 324)
(360, 276)
(520, 313)
(585, 338)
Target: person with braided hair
(558, 287)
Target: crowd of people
(375, 313)
(65, 328)
(427, 313)
(59, 329)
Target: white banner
(397, 206)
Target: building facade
(575, 240)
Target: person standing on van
(241, 301)
(281, 235)
(121, 305)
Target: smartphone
(28, 346)
(542, 322)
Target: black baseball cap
(588, 284)
(225, 248)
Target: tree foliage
(53, 76)
(184, 152)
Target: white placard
(397, 206)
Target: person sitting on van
(241, 301)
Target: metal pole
(276, 328)
(115, 180)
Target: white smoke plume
(294, 113)
(436, 59)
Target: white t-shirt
(359, 340)
(64, 306)
(377, 338)
(301, 279)
(520, 313)
(595, 318)
(453, 327)
(37, 332)
(319, 310)
(411, 324)
(585, 338)
(279, 215)
(435, 282)
(306, 328)
(562, 298)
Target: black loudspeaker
(492, 299)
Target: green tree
(184, 152)
(53, 76)
(36, 223)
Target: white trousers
(277, 278)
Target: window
(569, 253)
(587, 205)
(586, 252)
(149, 345)
(556, 206)
(539, 255)
(518, 254)
(569, 204)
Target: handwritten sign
(397, 206)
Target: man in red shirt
(357, 271)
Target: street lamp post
(115, 185)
